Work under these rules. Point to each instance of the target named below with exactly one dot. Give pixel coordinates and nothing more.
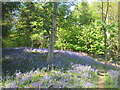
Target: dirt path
(101, 80)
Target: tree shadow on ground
(27, 59)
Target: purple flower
(46, 78)
(36, 84)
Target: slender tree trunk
(119, 41)
(105, 30)
(105, 45)
(53, 32)
(106, 15)
(118, 52)
(119, 30)
(105, 34)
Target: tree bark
(105, 34)
(53, 32)
(105, 30)
(119, 29)
(119, 41)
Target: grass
(111, 79)
(24, 68)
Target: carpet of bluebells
(27, 67)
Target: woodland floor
(26, 59)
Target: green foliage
(39, 40)
(87, 38)
(30, 24)
(7, 16)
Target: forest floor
(27, 59)
(101, 79)
(101, 59)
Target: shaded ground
(26, 59)
(101, 59)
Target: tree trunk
(105, 44)
(105, 30)
(53, 32)
(119, 41)
(119, 29)
(105, 34)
